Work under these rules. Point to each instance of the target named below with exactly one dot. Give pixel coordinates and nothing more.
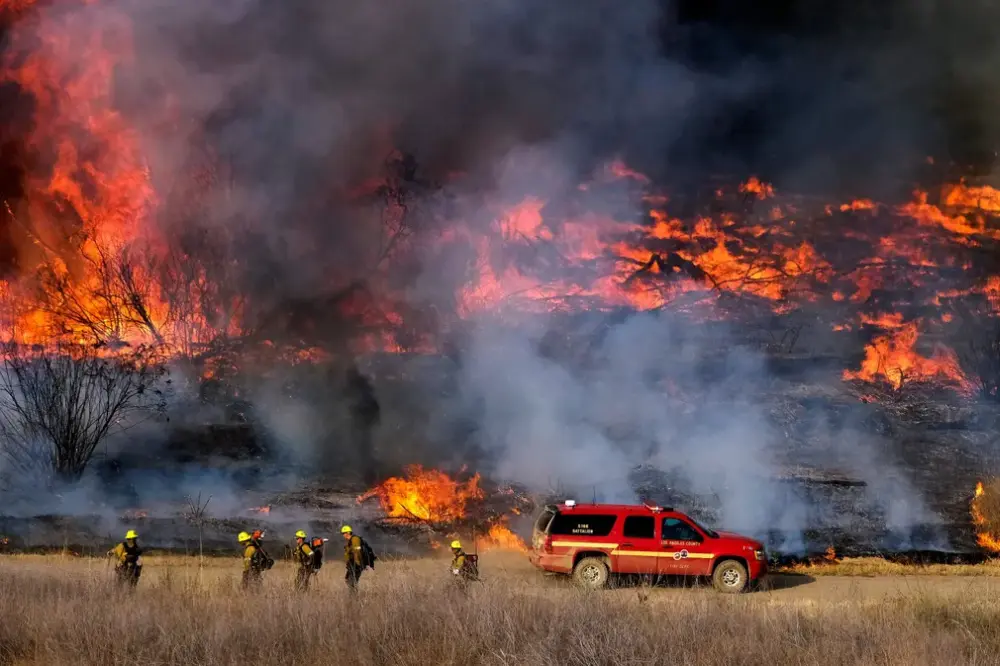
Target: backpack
(317, 548)
(471, 566)
(368, 556)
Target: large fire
(985, 510)
(431, 496)
(93, 267)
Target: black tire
(730, 577)
(591, 573)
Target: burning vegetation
(448, 506)
(985, 510)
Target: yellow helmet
(346, 529)
(456, 545)
(131, 535)
(300, 534)
(243, 537)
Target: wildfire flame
(429, 495)
(260, 509)
(433, 496)
(892, 358)
(984, 510)
(89, 213)
(501, 538)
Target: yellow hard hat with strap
(243, 537)
(131, 534)
(300, 534)
(456, 545)
(346, 529)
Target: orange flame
(892, 358)
(429, 495)
(984, 534)
(260, 509)
(500, 537)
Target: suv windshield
(711, 533)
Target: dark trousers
(352, 575)
(128, 574)
(302, 576)
(252, 579)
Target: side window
(639, 527)
(581, 525)
(675, 529)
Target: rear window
(582, 524)
(543, 521)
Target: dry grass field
(875, 566)
(56, 610)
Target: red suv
(592, 541)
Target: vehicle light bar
(570, 503)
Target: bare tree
(57, 406)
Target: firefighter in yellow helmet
(354, 557)
(128, 556)
(304, 561)
(255, 562)
(463, 566)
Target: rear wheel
(591, 573)
(730, 577)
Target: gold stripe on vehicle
(584, 544)
(660, 553)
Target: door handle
(630, 545)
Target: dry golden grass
(56, 610)
(876, 566)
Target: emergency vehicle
(592, 541)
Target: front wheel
(591, 573)
(730, 577)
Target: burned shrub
(57, 405)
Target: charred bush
(57, 406)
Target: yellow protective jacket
(304, 556)
(126, 554)
(458, 562)
(352, 551)
(251, 559)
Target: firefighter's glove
(455, 571)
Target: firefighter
(304, 561)
(353, 557)
(463, 567)
(254, 562)
(129, 560)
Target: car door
(639, 549)
(684, 550)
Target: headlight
(759, 555)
